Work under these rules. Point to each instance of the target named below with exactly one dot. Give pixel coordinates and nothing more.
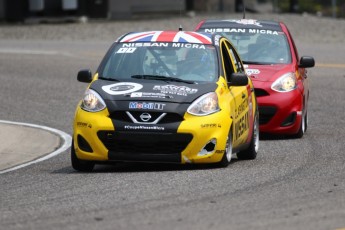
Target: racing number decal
(126, 50)
(242, 119)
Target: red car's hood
(267, 72)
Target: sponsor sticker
(241, 30)
(143, 127)
(241, 108)
(175, 90)
(84, 125)
(216, 40)
(241, 126)
(122, 88)
(252, 71)
(150, 95)
(146, 105)
(145, 44)
(213, 125)
(188, 45)
(220, 151)
(246, 22)
(131, 47)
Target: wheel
(80, 165)
(303, 127)
(227, 152)
(251, 152)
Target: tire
(306, 122)
(303, 127)
(80, 165)
(251, 152)
(226, 159)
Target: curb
(26, 129)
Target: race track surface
(293, 184)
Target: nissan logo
(145, 117)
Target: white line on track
(67, 140)
(33, 52)
(330, 65)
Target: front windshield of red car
(185, 61)
(258, 47)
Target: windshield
(161, 61)
(258, 48)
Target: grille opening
(83, 144)
(260, 92)
(210, 146)
(266, 114)
(144, 143)
(290, 120)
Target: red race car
(278, 74)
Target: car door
(239, 93)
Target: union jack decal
(168, 36)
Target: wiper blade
(162, 78)
(108, 79)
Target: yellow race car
(166, 96)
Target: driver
(198, 62)
(267, 48)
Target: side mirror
(238, 79)
(85, 75)
(306, 62)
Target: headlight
(92, 101)
(204, 105)
(285, 83)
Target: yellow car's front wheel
(228, 151)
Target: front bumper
(197, 140)
(280, 113)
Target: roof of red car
(240, 23)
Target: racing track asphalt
(24, 144)
(293, 184)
